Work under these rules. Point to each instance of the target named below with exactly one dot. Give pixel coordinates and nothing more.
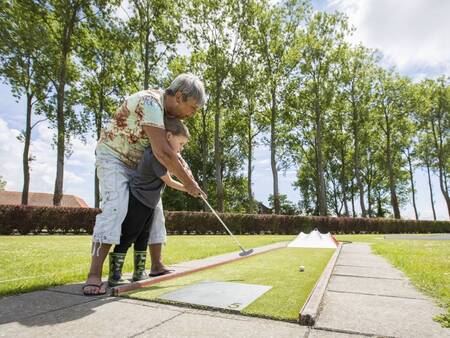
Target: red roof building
(41, 199)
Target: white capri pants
(158, 229)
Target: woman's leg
(113, 179)
(157, 238)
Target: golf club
(244, 252)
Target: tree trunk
(98, 129)
(431, 188)
(249, 165)
(411, 177)
(343, 182)
(61, 129)
(319, 159)
(26, 151)
(356, 157)
(146, 58)
(438, 145)
(353, 199)
(217, 150)
(273, 142)
(392, 187)
(204, 147)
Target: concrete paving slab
(373, 286)
(71, 289)
(203, 325)
(333, 334)
(105, 317)
(362, 260)
(382, 316)
(371, 272)
(355, 248)
(14, 308)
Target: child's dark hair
(176, 127)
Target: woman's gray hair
(189, 86)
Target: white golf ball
(302, 268)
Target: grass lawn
(426, 263)
(36, 262)
(279, 269)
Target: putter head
(246, 252)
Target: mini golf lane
(283, 288)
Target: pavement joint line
(329, 329)
(375, 294)
(157, 325)
(358, 266)
(145, 303)
(390, 278)
(307, 332)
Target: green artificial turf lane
(279, 269)
(34, 262)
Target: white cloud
(411, 34)
(78, 176)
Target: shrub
(25, 219)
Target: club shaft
(215, 213)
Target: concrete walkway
(366, 296)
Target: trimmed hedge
(26, 219)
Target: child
(146, 187)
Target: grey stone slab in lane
(386, 287)
(198, 325)
(13, 308)
(224, 295)
(100, 318)
(375, 272)
(383, 316)
(363, 260)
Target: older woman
(137, 124)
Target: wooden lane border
(118, 290)
(308, 313)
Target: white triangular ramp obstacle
(314, 239)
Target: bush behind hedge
(26, 219)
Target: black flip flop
(162, 273)
(99, 286)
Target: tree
(286, 207)
(276, 32)
(106, 71)
(213, 27)
(154, 29)
(2, 184)
(63, 20)
(358, 69)
(317, 88)
(23, 64)
(391, 117)
(434, 123)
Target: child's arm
(170, 182)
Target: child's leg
(131, 228)
(133, 224)
(140, 250)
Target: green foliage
(2, 184)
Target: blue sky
(412, 35)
